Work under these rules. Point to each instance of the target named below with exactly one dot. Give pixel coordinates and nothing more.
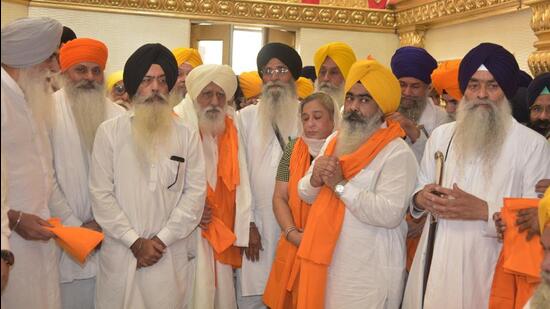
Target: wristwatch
(7, 256)
(339, 188)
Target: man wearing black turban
(266, 129)
(484, 154)
(538, 99)
(147, 184)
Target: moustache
(156, 97)
(354, 116)
(478, 103)
(86, 84)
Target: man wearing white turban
(227, 207)
(29, 48)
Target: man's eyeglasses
(275, 71)
(119, 89)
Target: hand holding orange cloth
(79, 242)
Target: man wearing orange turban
(358, 187)
(80, 108)
(332, 64)
(445, 82)
(187, 59)
(251, 86)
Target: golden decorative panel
(539, 61)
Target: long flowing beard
(278, 106)
(211, 119)
(88, 106)
(541, 297)
(151, 127)
(414, 108)
(38, 94)
(356, 130)
(336, 93)
(481, 128)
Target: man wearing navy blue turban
(485, 161)
(538, 99)
(417, 114)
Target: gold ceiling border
(255, 12)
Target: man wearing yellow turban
(357, 187)
(332, 64)
(251, 86)
(445, 82)
(304, 87)
(81, 106)
(116, 91)
(187, 59)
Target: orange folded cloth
(79, 242)
(517, 272)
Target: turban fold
(284, 53)
(445, 78)
(140, 62)
(82, 50)
(309, 72)
(221, 75)
(30, 41)
(189, 55)
(67, 35)
(500, 63)
(379, 82)
(544, 210)
(251, 84)
(304, 87)
(536, 87)
(339, 52)
(524, 79)
(410, 61)
(113, 78)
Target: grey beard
(414, 112)
(38, 94)
(336, 93)
(541, 297)
(355, 130)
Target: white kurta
(214, 286)
(262, 168)
(376, 200)
(5, 221)
(71, 163)
(130, 201)
(432, 117)
(466, 252)
(34, 279)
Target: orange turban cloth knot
(189, 55)
(251, 84)
(445, 78)
(83, 50)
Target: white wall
(12, 11)
(512, 31)
(122, 33)
(380, 45)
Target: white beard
(88, 107)
(541, 297)
(336, 93)
(38, 94)
(211, 119)
(152, 127)
(278, 106)
(480, 132)
(354, 132)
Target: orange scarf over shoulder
(280, 291)
(222, 200)
(326, 217)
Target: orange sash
(222, 200)
(326, 217)
(281, 288)
(77, 241)
(517, 273)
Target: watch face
(339, 189)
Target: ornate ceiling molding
(255, 12)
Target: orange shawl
(326, 217)
(222, 200)
(517, 273)
(77, 241)
(280, 291)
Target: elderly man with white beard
(484, 162)
(266, 128)
(147, 182)
(81, 107)
(332, 64)
(358, 187)
(29, 59)
(226, 217)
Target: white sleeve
(5, 220)
(243, 203)
(185, 217)
(107, 212)
(425, 175)
(419, 145)
(59, 206)
(384, 205)
(243, 135)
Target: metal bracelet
(18, 220)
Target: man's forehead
(409, 80)
(482, 75)
(358, 89)
(329, 63)
(86, 64)
(275, 62)
(212, 86)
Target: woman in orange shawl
(318, 121)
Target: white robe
(34, 279)
(214, 280)
(376, 200)
(432, 117)
(71, 163)
(262, 168)
(130, 200)
(5, 221)
(465, 252)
